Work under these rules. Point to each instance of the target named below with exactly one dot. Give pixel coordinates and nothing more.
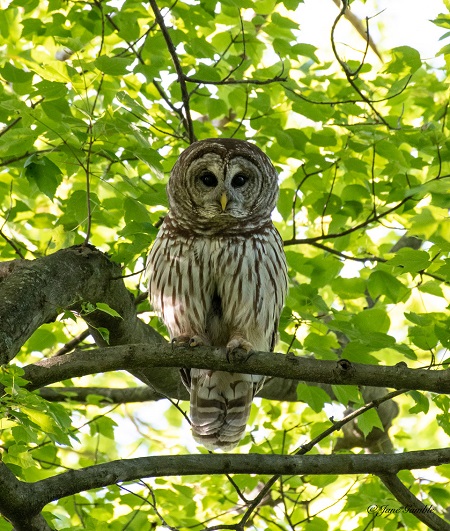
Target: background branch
(415, 506)
(97, 476)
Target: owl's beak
(223, 201)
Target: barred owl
(218, 275)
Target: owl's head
(222, 183)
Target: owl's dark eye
(208, 179)
(239, 180)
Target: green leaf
(423, 336)
(321, 345)
(422, 403)
(285, 200)
(18, 455)
(410, 260)
(404, 59)
(104, 332)
(306, 50)
(314, 396)
(41, 419)
(381, 283)
(15, 75)
(347, 394)
(349, 288)
(372, 320)
(103, 307)
(44, 173)
(368, 421)
(113, 66)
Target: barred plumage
(218, 274)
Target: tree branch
(97, 476)
(139, 356)
(35, 292)
(17, 503)
(110, 395)
(415, 506)
(351, 76)
(226, 81)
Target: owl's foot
(198, 341)
(238, 342)
(186, 340)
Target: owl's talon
(186, 340)
(196, 341)
(239, 343)
(180, 341)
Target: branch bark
(139, 356)
(17, 503)
(97, 476)
(35, 292)
(110, 394)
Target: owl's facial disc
(222, 184)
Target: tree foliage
(97, 100)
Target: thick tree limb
(137, 357)
(35, 292)
(17, 503)
(102, 475)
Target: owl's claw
(185, 340)
(238, 343)
(197, 341)
(180, 341)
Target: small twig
(357, 24)
(348, 73)
(243, 115)
(73, 343)
(347, 256)
(315, 239)
(340, 102)
(187, 119)
(372, 180)
(88, 184)
(325, 206)
(276, 79)
(302, 182)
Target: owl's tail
(220, 406)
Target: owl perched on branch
(218, 275)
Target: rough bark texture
(135, 357)
(35, 292)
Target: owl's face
(219, 183)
